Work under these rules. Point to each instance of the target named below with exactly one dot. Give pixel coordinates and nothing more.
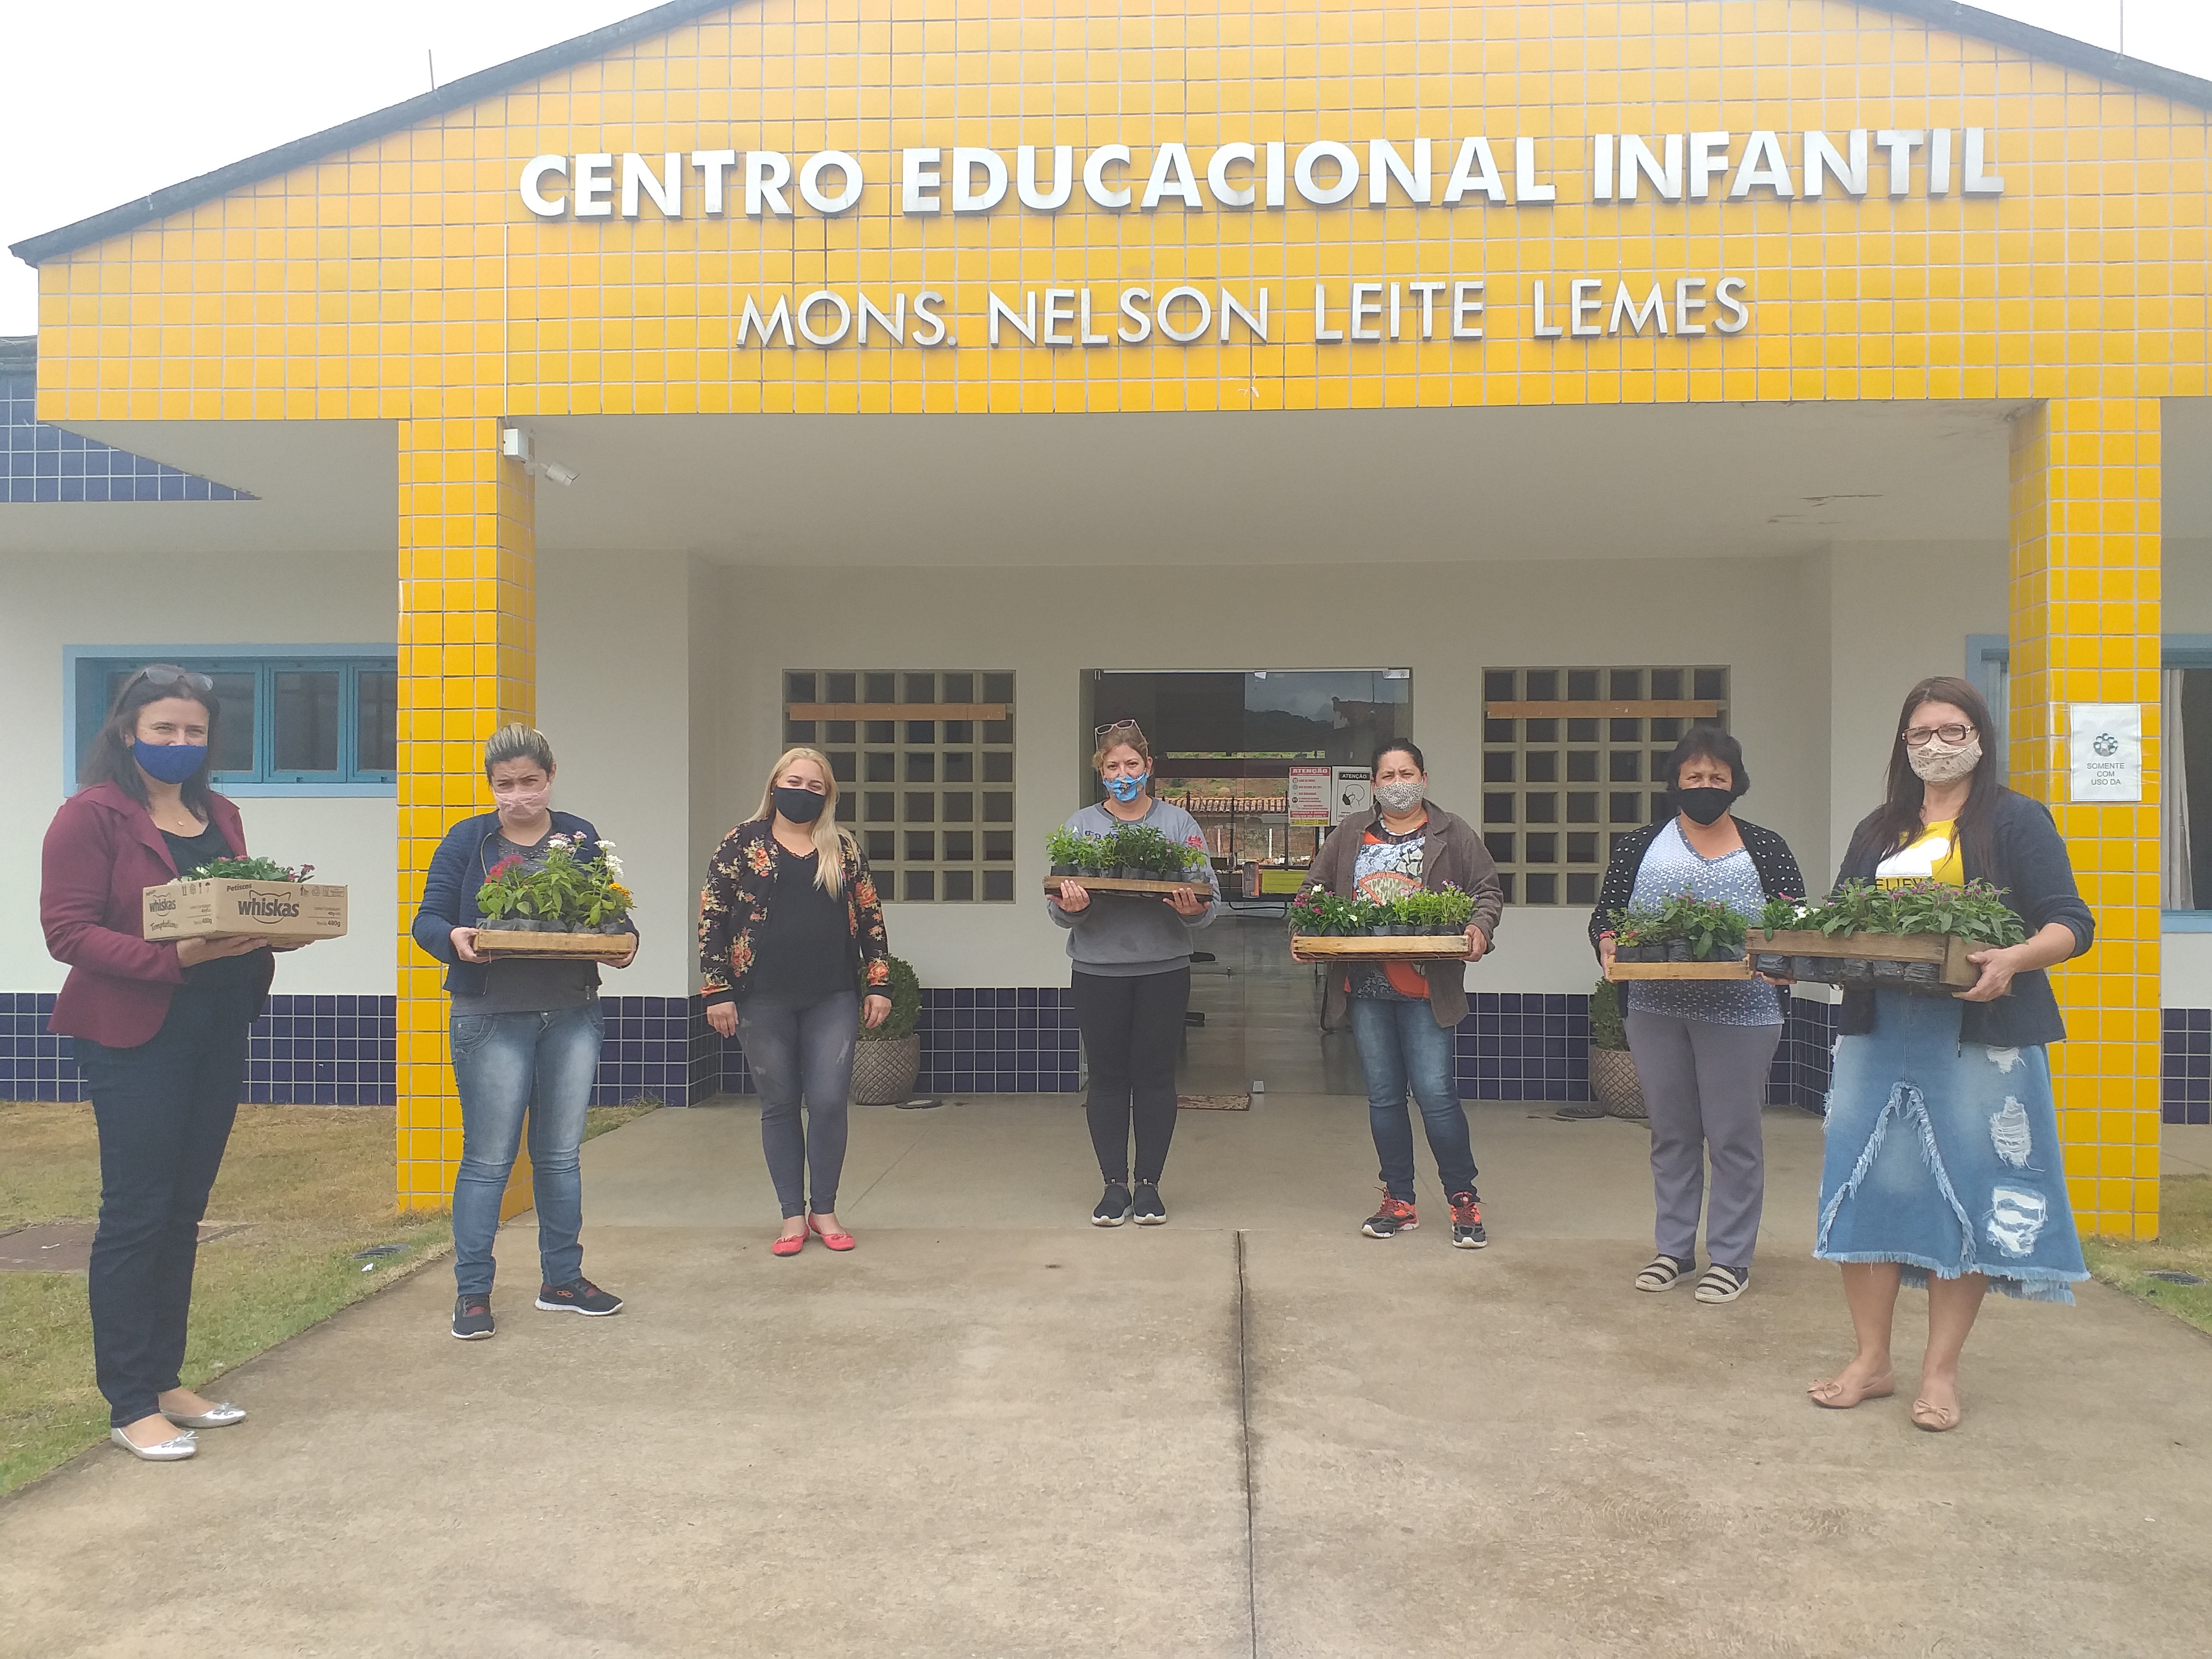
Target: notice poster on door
(2105, 746)
(1353, 791)
(1310, 795)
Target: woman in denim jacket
(525, 1037)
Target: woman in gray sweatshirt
(1130, 982)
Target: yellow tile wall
(405, 280)
(2084, 628)
(468, 665)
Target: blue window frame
(296, 719)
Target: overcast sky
(107, 102)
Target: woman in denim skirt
(526, 1039)
(1943, 1166)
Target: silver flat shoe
(174, 1449)
(217, 1417)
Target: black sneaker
(1150, 1212)
(1468, 1232)
(472, 1317)
(1393, 1216)
(1113, 1207)
(580, 1295)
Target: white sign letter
(1094, 175)
(810, 182)
(1476, 169)
(712, 165)
(1063, 175)
(766, 172)
(1348, 177)
(595, 185)
(534, 174)
(919, 181)
(964, 163)
(1217, 174)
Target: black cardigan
(1779, 874)
(2028, 860)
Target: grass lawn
(311, 1185)
(2184, 1245)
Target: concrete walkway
(995, 1431)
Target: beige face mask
(1942, 763)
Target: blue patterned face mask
(1127, 789)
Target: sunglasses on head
(161, 674)
(1113, 726)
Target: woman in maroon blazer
(160, 1033)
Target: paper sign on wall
(2104, 743)
(1310, 795)
(1354, 792)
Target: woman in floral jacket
(793, 948)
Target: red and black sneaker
(577, 1295)
(1468, 1232)
(1394, 1217)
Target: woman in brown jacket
(1404, 1016)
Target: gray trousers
(1704, 1084)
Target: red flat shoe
(791, 1246)
(834, 1240)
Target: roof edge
(1970, 21)
(379, 123)
(2061, 49)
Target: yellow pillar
(468, 665)
(2084, 628)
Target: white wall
(2186, 581)
(1897, 613)
(1446, 621)
(614, 697)
(207, 600)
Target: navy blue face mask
(169, 762)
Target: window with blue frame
(310, 723)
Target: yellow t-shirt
(1933, 856)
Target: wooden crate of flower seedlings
(1621, 971)
(1127, 883)
(220, 907)
(1928, 960)
(1441, 947)
(513, 940)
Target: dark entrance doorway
(1225, 747)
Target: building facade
(750, 372)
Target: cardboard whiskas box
(264, 910)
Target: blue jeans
(1402, 1047)
(506, 1065)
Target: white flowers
(614, 864)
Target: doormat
(1242, 1103)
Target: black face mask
(800, 805)
(1704, 805)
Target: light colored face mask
(1397, 798)
(1942, 763)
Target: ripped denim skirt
(1944, 1155)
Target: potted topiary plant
(887, 1060)
(1612, 1078)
